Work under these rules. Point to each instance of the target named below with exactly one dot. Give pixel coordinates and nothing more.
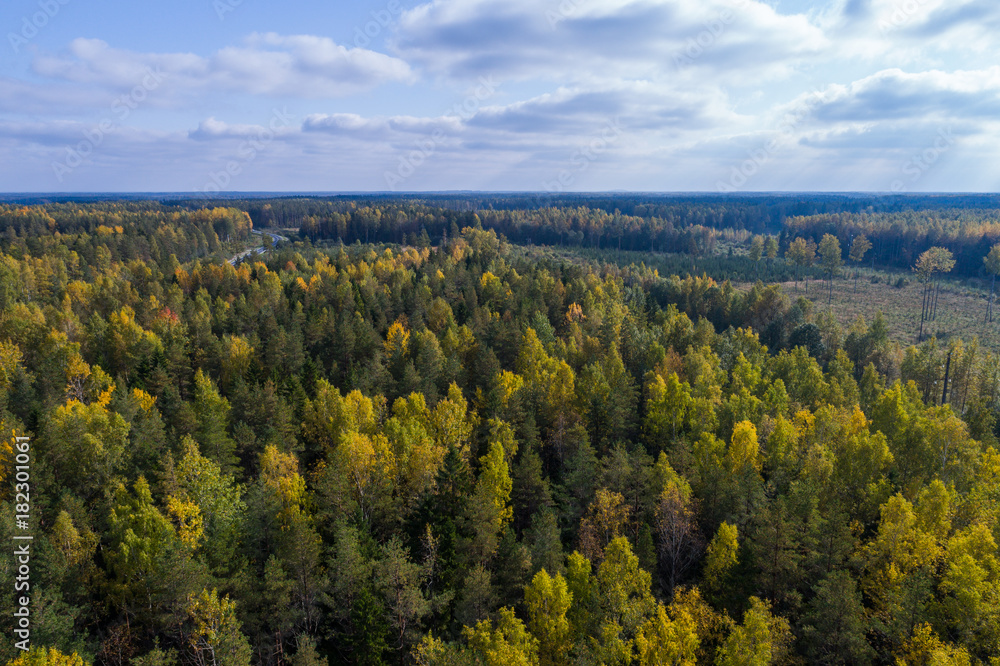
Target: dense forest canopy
(399, 438)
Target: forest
(405, 436)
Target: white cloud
(639, 105)
(385, 128)
(299, 66)
(913, 31)
(23, 97)
(893, 94)
(574, 40)
(281, 126)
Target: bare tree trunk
(947, 369)
(930, 303)
(989, 306)
(923, 314)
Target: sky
(503, 95)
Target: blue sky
(535, 95)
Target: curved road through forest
(257, 250)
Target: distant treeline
(899, 238)
(676, 226)
(900, 227)
(582, 227)
(756, 212)
(115, 231)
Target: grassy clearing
(961, 305)
(961, 308)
